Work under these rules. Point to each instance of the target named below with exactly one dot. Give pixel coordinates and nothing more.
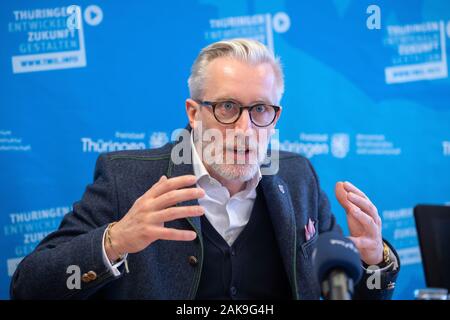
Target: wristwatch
(386, 258)
(386, 255)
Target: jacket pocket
(309, 246)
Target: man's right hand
(144, 222)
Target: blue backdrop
(367, 99)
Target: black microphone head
(334, 251)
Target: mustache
(236, 142)
(241, 144)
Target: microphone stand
(337, 286)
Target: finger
(173, 197)
(351, 188)
(341, 196)
(165, 185)
(149, 192)
(162, 179)
(365, 205)
(175, 213)
(175, 234)
(366, 221)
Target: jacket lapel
(192, 247)
(177, 170)
(281, 212)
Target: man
(211, 226)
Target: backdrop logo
(49, 38)
(158, 139)
(28, 228)
(315, 144)
(259, 27)
(419, 52)
(101, 145)
(124, 141)
(340, 145)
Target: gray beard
(241, 172)
(231, 171)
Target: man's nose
(244, 122)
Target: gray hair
(245, 50)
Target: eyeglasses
(229, 112)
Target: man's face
(244, 143)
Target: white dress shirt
(227, 214)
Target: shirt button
(233, 291)
(193, 261)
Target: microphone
(337, 265)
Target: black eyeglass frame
(213, 105)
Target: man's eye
(228, 105)
(260, 108)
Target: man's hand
(363, 221)
(144, 222)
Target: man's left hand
(363, 221)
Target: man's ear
(192, 108)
